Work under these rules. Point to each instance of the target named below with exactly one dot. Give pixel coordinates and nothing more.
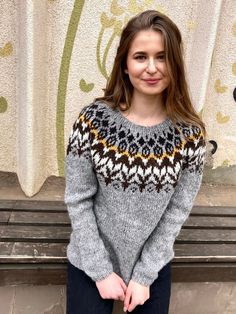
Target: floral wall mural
(5, 52)
(56, 61)
(63, 78)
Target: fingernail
(124, 309)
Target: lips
(152, 81)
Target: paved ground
(53, 189)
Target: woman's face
(146, 64)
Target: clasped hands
(113, 287)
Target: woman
(134, 166)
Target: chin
(151, 93)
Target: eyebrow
(143, 52)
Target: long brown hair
(176, 97)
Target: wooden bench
(34, 236)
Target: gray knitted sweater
(129, 189)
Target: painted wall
(55, 57)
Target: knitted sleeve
(81, 186)
(158, 249)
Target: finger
(127, 300)
(121, 295)
(123, 285)
(132, 305)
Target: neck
(147, 107)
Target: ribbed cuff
(142, 279)
(102, 275)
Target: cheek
(167, 81)
(134, 69)
(162, 67)
(133, 80)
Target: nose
(151, 66)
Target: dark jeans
(83, 296)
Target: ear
(126, 71)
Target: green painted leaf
(86, 87)
(3, 104)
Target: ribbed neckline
(119, 117)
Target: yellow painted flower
(221, 119)
(220, 88)
(134, 8)
(191, 25)
(234, 68)
(161, 9)
(148, 2)
(116, 9)
(6, 50)
(118, 28)
(127, 18)
(106, 22)
(225, 163)
(234, 29)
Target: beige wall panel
(220, 107)
(8, 60)
(55, 57)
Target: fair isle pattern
(135, 162)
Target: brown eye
(140, 58)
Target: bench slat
(4, 217)
(6, 204)
(25, 252)
(56, 273)
(205, 236)
(43, 205)
(29, 233)
(6, 248)
(34, 233)
(204, 272)
(21, 274)
(205, 252)
(57, 206)
(214, 210)
(37, 218)
(61, 206)
(28, 252)
(210, 222)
